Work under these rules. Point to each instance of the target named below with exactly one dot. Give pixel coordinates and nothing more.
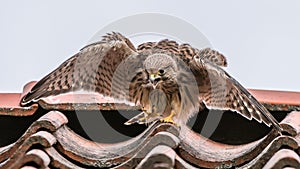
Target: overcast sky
(261, 39)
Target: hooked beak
(154, 79)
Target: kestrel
(169, 81)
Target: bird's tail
(142, 118)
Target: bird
(170, 82)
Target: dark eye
(161, 71)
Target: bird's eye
(161, 71)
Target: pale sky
(260, 39)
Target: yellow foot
(169, 119)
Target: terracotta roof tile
(9, 105)
(284, 158)
(49, 142)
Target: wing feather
(91, 69)
(221, 91)
(212, 56)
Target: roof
(49, 136)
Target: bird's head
(160, 68)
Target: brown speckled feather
(221, 91)
(185, 51)
(91, 69)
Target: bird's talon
(169, 119)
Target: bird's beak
(154, 79)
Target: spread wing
(92, 69)
(218, 90)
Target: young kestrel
(170, 82)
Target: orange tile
(276, 97)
